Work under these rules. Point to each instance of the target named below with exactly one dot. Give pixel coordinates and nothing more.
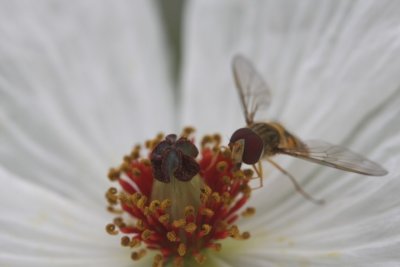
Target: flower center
(170, 202)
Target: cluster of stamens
(146, 223)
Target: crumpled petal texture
(333, 75)
(72, 82)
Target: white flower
(81, 82)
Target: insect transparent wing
(335, 156)
(253, 91)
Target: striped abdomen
(274, 137)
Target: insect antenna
(297, 186)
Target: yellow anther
(139, 225)
(135, 242)
(217, 138)
(158, 260)
(207, 212)
(146, 234)
(148, 144)
(136, 171)
(137, 255)
(113, 174)
(124, 198)
(111, 229)
(134, 198)
(135, 154)
(127, 159)
(187, 131)
(154, 205)
(206, 228)
(146, 211)
(189, 210)
(206, 190)
(234, 231)
(248, 173)
(159, 136)
(118, 221)
(178, 223)
(182, 249)
(125, 166)
(206, 139)
(112, 196)
(203, 198)
(199, 258)
(114, 210)
(164, 218)
(190, 227)
(238, 175)
(141, 202)
(249, 212)
(165, 204)
(222, 166)
(245, 235)
(112, 191)
(172, 236)
(216, 197)
(125, 241)
(146, 162)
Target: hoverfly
(262, 140)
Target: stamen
(125, 241)
(172, 236)
(221, 166)
(207, 212)
(199, 258)
(146, 234)
(138, 255)
(111, 229)
(205, 230)
(250, 211)
(175, 211)
(190, 228)
(182, 249)
(178, 223)
(158, 260)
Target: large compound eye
(253, 145)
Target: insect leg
(297, 185)
(259, 172)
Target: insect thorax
(269, 135)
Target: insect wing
(335, 156)
(253, 91)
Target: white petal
(40, 228)
(80, 83)
(332, 71)
(316, 56)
